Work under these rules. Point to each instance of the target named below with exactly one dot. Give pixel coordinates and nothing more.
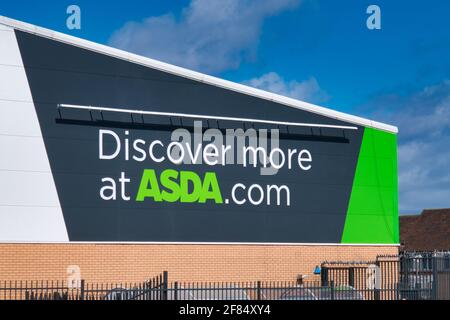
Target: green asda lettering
(183, 186)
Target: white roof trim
(165, 67)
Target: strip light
(198, 116)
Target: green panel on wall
(372, 215)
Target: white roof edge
(186, 73)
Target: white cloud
(424, 174)
(210, 35)
(423, 118)
(307, 90)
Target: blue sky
(315, 50)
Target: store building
(124, 166)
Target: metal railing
(48, 290)
(152, 289)
(409, 276)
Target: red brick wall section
(184, 262)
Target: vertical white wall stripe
(29, 205)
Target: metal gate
(408, 276)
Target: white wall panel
(12, 82)
(8, 48)
(29, 206)
(25, 154)
(22, 224)
(21, 188)
(18, 118)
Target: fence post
(147, 291)
(258, 290)
(434, 283)
(377, 284)
(332, 290)
(351, 277)
(377, 293)
(324, 276)
(82, 289)
(165, 284)
(175, 290)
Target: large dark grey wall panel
(62, 73)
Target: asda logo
(183, 186)
(189, 187)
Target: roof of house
(193, 75)
(428, 231)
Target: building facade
(124, 167)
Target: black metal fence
(427, 273)
(48, 290)
(260, 291)
(409, 276)
(153, 289)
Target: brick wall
(185, 262)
